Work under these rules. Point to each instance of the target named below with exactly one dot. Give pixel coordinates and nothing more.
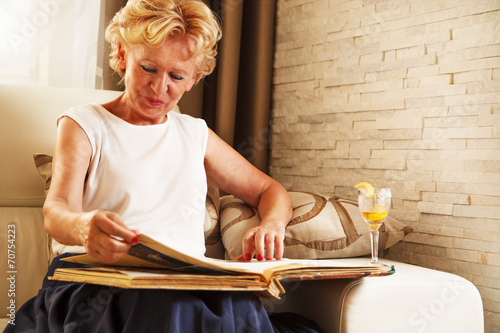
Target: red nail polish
(260, 257)
(135, 240)
(247, 256)
(269, 258)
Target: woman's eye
(148, 69)
(176, 77)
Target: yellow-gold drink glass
(374, 206)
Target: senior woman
(130, 165)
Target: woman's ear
(122, 61)
(191, 83)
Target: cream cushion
(321, 227)
(28, 125)
(29, 257)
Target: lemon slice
(365, 188)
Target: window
(50, 42)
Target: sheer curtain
(50, 43)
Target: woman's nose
(160, 83)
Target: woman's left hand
(264, 241)
(229, 171)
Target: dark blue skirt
(75, 307)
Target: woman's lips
(154, 101)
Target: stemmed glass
(374, 206)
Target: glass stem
(374, 241)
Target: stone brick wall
(406, 94)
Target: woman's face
(156, 78)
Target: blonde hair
(153, 21)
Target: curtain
(237, 96)
(49, 43)
(110, 77)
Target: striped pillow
(321, 227)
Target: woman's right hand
(105, 236)
(102, 233)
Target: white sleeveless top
(152, 176)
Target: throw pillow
(321, 227)
(44, 167)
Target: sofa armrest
(25, 255)
(414, 299)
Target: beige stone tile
(435, 208)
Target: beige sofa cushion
(321, 227)
(28, 254)
(28, 126)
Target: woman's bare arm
(232, 173)
(64, 218)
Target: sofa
(414, 299)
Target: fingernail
(135, 240)
(260, 257)
(247, 256)
(269, 258)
